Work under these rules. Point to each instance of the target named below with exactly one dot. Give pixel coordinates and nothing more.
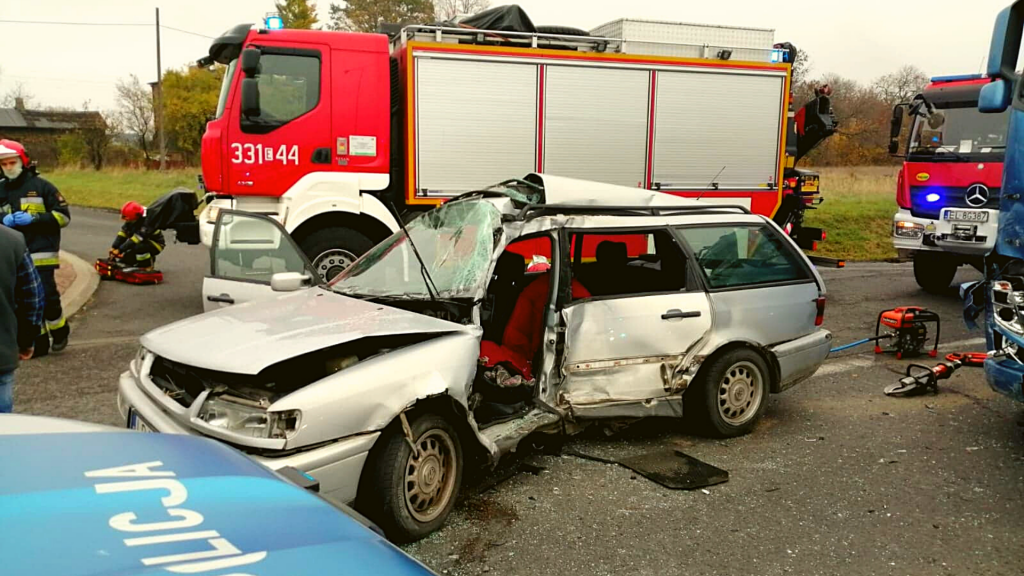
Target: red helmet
(12, 149)
(132, 211)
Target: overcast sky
(861, 39)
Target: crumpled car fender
(369, 395)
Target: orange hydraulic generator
(908, 328)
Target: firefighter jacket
(31, 193)
(138, 233)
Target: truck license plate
(966, 215)
(136, 423)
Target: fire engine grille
(949, 197)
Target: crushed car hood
(247, 338)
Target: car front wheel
(732, 393)
(410, 493)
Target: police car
(82, 499)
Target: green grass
(112, 188)
(857, 212)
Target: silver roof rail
(523, 39)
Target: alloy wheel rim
(430, 475)
(740, 393)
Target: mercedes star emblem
(976, 196)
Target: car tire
(731, 394)
(409, 496)
(934, 272)
(331, 250)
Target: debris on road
(669, 467)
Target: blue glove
(9, 220)
(20, 219)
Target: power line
(55, 23)
(71, 23)
(186, 31)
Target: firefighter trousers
(53, 313)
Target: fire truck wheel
(410, 493)
(331, 250)
(730, 393)
(934, 271)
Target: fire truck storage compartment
(475, 123)
(705, 121)
(479, 117)
(613, 149)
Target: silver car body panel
(799, 359)
(621, 350)
(247, 338)
(764, 316)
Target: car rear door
(762, 288)
(247, 250)
(641, 322)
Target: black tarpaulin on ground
(670, 467)
(510, 18)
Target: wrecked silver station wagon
(540, 304)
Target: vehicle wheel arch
(770, 360)
(367, 225)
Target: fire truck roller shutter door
(706, 120)
(493, 136)
(595, 124)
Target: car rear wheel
(410, 493)
(732, 393)
(934, 271)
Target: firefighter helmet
(132, 211)
(12, 149)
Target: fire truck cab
(949, 187)
(339, 135)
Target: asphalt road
(837, 478)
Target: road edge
(81, 290)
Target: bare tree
(97, 136)
(449, 9)
(17, 91)
(135, 111)
(901, 85)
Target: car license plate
(966, 215)
(137, 423)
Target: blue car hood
(121, 502)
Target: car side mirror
(250, 62)
(995, 96)
(289, 281)
(250, 98)
(895, 126)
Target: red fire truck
(948, 189)
(337, 135)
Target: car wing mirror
(289, 281)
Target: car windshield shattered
(456, 242)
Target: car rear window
(735, 255)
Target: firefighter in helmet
(137, 243)
(33, 206)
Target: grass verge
(112, 188)
(857, 212)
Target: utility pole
(160, 98)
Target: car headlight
(904, 229)
(1006, 303)
(250, 421)
(211, 214)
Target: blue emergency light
(274, 22)
(933, 197)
